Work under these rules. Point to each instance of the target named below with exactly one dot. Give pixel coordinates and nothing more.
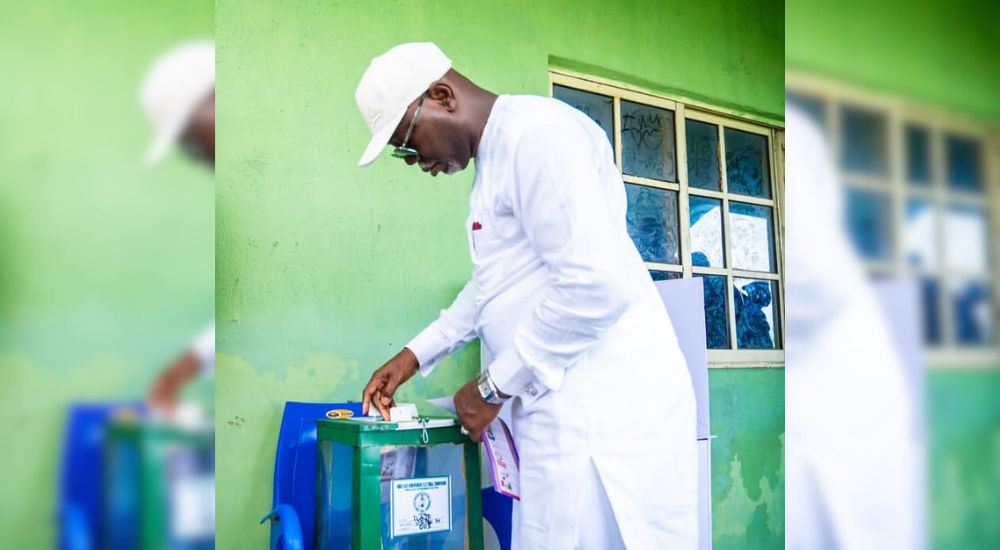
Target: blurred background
(898, 107)
(106, 266)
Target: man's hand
(163, 395)
(386, 379)
(473, 413)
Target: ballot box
(159, 486)
(412, 484)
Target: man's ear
(444, 95)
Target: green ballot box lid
(368, 431)
(158, 433)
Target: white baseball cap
(391, 82)
(176, 83)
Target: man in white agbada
(178, 99)
(573, 331)
(853, 443)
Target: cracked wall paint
(748, 480)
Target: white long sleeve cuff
(515, 378)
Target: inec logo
(422, 503)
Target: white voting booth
(685, 300)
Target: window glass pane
(648, 142)
(706, 232)
(869, 223)
(930, 292)
(597, 107)
(703, 155)
(756, 304)
(962, 156)
(747, 166)
(811, 106)
(716, 312)
(918, 157)
(663, 275)
(965, 239)
(864, 142)
(751, 231)
(972, 312)
(920, 234)
(652, 222)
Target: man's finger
(379, 406)
(385, 406)
(384, 410)
(164, 404)
(368, 392)
(390, 387)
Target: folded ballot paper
(405, 417)
(500, 452)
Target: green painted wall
(105, 267)
(748, 460)
(324, 270)
(938, 52)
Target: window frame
(939, 123)
(683, 109)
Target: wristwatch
(488, 390)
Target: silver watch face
(484, 390)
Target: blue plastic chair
(293, 512)
(81, 476)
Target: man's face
(198, 140)
(436, 136)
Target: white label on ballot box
(193, 507)
(420, 505)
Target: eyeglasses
(190, 144)
(403, 151)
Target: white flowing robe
(571, 324)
